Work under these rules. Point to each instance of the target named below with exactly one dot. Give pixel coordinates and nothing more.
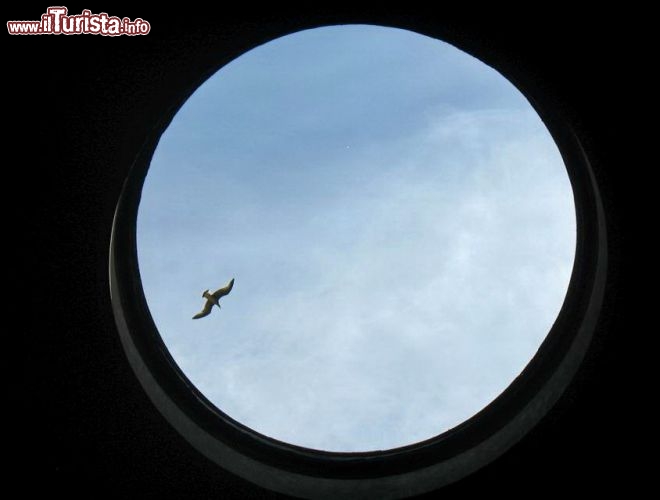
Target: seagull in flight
(212, 299)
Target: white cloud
(414, 299)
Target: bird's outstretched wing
(204, 312)
(224, 291)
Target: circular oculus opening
(401, 226)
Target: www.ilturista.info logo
(56, 22)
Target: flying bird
(212, 299)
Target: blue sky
(399, 223)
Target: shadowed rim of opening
(397, 472)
